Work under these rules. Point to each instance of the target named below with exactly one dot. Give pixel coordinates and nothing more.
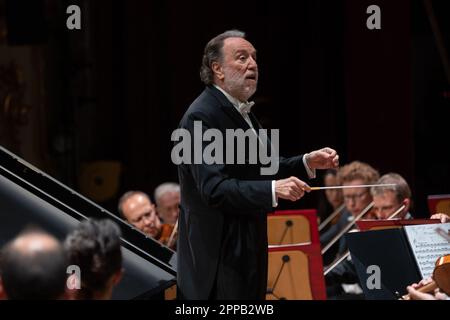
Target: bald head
(137, 208)
(33, 243)
(33, 266)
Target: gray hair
(213, 53)
(401, 188)
(165, 188)
(128, 195)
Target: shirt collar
(242, 107)
(235, 102)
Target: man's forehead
(235, 44)
(170, 195)
(137, 200)
(385, 195)
(350, 190)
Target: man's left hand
(325, 158)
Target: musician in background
(441, 216)
(355, 199)
(331, 199)
(414, 294)
(388, 199)
(137, 208)
(342, 282)
(167, 198)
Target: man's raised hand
(325, 158)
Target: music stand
(295, 273)
(292, 226)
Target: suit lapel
(236, 116)
(228, 108)
(258, 126)
(254, 121)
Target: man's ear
(407, 203)
(217, 69)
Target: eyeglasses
(354, 197)
(389, 209)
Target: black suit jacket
(222, 243)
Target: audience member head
(167, 198)
(94, 247)
(137, 208)
(389, 199)
(33, 266)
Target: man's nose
(148, 221)
(252, 64)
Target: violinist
(415, 293)
(330, 209)
(342, 281)
(167, 198)
(441, 216)
(387, 199)
(137, 208)
(331, 200)
(355, 199)
(441, 288)
(435, 288)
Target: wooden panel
(288, 229)
(310, 214)
(312, 274)
(291, 278)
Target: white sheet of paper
(428, 243)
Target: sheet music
(428, 243)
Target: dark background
(116, 89)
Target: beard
(238, 86)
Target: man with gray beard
(222, 244)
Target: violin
(168, 235)
(441, 278)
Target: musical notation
(428, 244)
